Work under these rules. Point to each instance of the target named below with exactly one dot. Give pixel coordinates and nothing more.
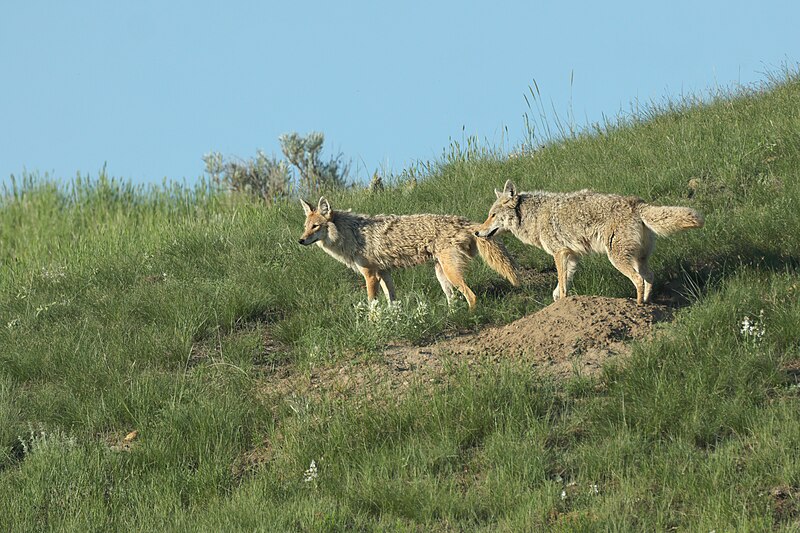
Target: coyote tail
(665, 220)
(496, 256)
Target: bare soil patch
(576, 334)
(573, 336)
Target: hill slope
(162, 311)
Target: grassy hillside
(162, 311)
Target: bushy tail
(665, 220)
(497, 257)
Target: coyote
(373, 245)
(569, 225)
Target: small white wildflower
(311, 472)
(753, 328)
(45, 307)
(569, 488)
(38, 441)
(55, 274)
(13, 323)
(392, 318)
(746, 326)
(594, 489)
(315, 352)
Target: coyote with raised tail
(569, 225)
(374, 245)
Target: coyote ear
(498, 194)
(509, 189)
(307, 209)
(323, 207)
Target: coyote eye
(314, 226)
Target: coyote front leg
(372, 279)
(566, 264)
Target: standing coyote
(373, 245)
(569, 225)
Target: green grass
(127, 308)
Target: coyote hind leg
(625, 261)
(447, 287)
(647, 275)
(452, 267)
(387, 284)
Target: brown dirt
(578, 333)
(785, 501)
(574, 336)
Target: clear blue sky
(149, 87)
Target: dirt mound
(579, 330)
(575, 335)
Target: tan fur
(569, 225)
(374, 245)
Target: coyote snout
(486, 233)
(491, 227)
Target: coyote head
(317, 220)
(503, 213)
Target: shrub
(269, 178)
